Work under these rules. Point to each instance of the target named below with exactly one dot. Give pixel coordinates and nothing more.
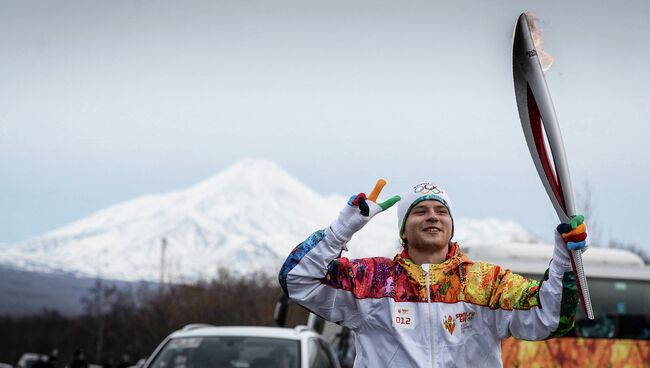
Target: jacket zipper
(430, 321)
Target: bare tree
(587, 206)
(98, 304)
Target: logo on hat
(426, 188)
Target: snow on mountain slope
(247, 217)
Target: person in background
(78, 360)
(53, 359)
(125, 361)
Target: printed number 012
(403, 320)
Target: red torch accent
(538, 134)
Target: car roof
(198, 330)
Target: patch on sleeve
(297, 255)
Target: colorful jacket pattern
(439, 315)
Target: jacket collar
(454, 259)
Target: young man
(430, 306)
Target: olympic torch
(539, 123)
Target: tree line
(134, 321)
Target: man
(430, 306)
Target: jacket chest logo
(463, 318)
(450, 324)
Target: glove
(359, 210)
(572, 236)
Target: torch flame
(545, 58)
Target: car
(200, 345)
(27, 360)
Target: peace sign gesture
(359, 210)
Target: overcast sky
(104, 101)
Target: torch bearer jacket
(435, 315)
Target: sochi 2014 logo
(450, 324)
(464, 318)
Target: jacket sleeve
(532, 310)
(315, 277)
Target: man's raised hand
(359, 210)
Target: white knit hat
(421, 192)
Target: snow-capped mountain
(247, 217)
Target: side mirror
(316, 323)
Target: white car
(27, 360)
(206, 346)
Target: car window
(318, 355)
(228, 352)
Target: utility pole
(99, 299)
(163, 248)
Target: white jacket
(452, 314)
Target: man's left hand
(570, 236)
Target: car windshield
(228, 352)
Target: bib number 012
(403, 320)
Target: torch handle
(562, 170)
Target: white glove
(569, 237)
(358, 211)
